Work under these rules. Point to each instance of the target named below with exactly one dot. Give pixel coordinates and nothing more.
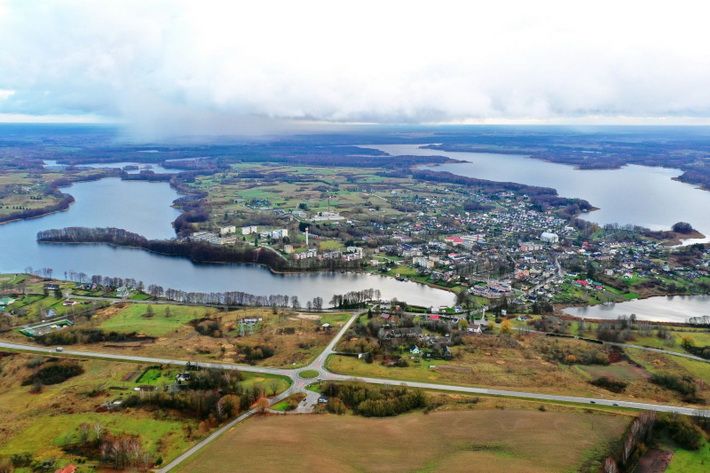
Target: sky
(163, 67)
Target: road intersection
(299, 383)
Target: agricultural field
(520, 364)
(503, 439)
(250, 193)
(22, 191)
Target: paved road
(299, 384)
(144, 359)
(627, 345)
(319, 362)
(217, 433)
(523, 395)
(658, 350)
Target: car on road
(59, 349)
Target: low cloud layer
(224, 67)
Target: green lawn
(270, 384)
(280, 406)
(335, 318)
(330, 245)
(404, 271)
(155, 375)
(687, 461)
(308, 374)
(698, 369)
(50, 432)
(132, 318)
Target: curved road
(623, 345)
(299, 384)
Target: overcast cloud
(208, 66)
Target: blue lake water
(638, 195)
(144, 208)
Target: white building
(249, 229)
(327, 217)
(549, 237)
(274, 234)
(208, 237)
(227, 230)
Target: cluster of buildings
(228, 235)
(351, 253)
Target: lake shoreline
(601, 167)
(276, 272)
(643, 314)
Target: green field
(49, 432)
(132, 318)
(687, 461)
(270, 384)
(156, 375)
(510, 440)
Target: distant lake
(144, 207)
(638, 195)
(656, 309)
(157, 168)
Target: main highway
(298, 384)
(319, 364)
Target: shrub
(35, 362)
(682, 227)
(376, 401)
(684, 385)
(689, 346)
(21, 460)
(224, 380)
(55, 373)
(44, 466)
(681, 430)
(256, 352)
(571, 353)
(336, 406)
(89, 335)
(610, 384)
(209, 327)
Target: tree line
(354, 298)
(195, 251)
(373, 401)
(228, 298)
